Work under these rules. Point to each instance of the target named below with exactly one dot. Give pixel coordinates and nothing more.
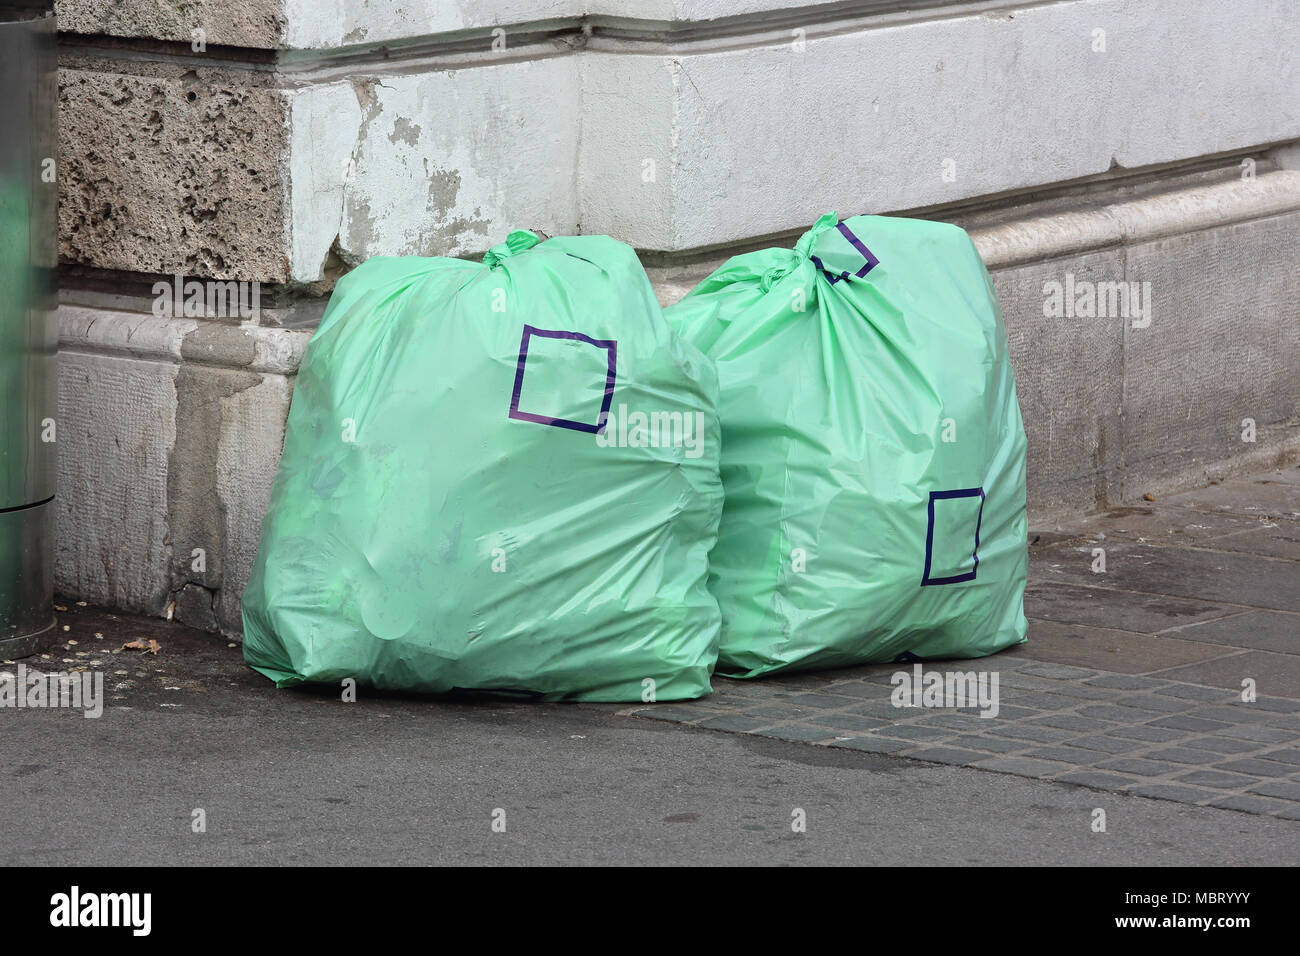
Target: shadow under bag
(461, 503)
(873, 454)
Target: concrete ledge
(133, 335)
(1069, 226)
(343, 24)
(1154, 217)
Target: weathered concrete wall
(920, 113)
(167, 169)
(317, 209)
(1226, 351)
(118, 424)
(171, 430)
(1115, 408)
(458, 137)
(170, 433)
(1083, 141)
(444, 160)
(247, 23)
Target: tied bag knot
(516, 242)
(802, 250)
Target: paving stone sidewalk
(1132, 678)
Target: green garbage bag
(873, 455)
(498, 476)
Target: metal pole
(28, 337)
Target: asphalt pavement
(1128, 690)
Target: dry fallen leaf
(140, 644)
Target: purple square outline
(929, 536)
(610, 345)
(857, 244)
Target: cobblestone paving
(1131, 680)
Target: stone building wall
(284, 141)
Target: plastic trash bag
(497, 476)
(873, 454)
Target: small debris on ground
(152, 646)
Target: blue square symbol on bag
(565, 379)
(952, 537)
(840, 255)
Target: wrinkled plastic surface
(454, 510)
(873, 454)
